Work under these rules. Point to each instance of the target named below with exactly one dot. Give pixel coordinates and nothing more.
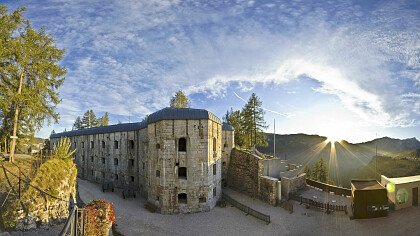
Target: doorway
(415, 196)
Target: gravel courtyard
(134, 219)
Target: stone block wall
(244, 172)
(291, 185)
(228, 143)
(269, 190)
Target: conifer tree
(77, 124)
(253, 122)
(180, 100)
(104, 120)
(30, 75)
(89, 120)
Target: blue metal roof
(170, 113)
(103, 129)
(228, 127)
(164, 114)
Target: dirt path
(134, 219)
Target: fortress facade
(177, 158)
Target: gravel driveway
(134, 219)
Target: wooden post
(20, 184)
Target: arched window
(182, 145)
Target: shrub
(100, 217)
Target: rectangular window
(92, 144)
(131, 144)
(115, 144)
(83, 158)
(103, 144)
(103, 160)
(132, 178)
(182, 172)
(202, 200)
(157, 173)
(143, 165)
(182, 198)
(214, 169)
(74, 144)
(91, 158)
(131, 162)
(115, 177)
(115, 161)
(91, 172)
(214, 192)
(83, 144)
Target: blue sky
(343, 69)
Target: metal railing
(329, 188)
(325, 206)
(247, 209)
(75, 223)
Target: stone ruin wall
(244, 172)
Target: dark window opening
(157, 173)
(92, 144)
(177, 164)
(182, 172)
(116, 177)
(115, 144)
(225, 145)
(202, 200)
(131, 162)
(83, 158)
(182, 145)
(132, 178)
(157, 146)
(214, 144)
(131, 144)
(143, 165)
(224, 164)
(182, 198)
(103, 160)
(214, 192)
(103, 144)
(115, 161)
(91, 172)
(74, 144)
(214, 169)
(83, 144)
(91, 158)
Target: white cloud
(130, 56)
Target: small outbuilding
(369, 199)
(402, 192)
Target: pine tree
(235, 119)
(89, 120)
(253, 122)
(104, 120)
(180, 100)
(77, 124)
(30, 77)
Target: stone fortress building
(177, 158)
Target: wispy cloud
(129, 57)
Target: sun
(332, 140)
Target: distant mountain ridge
(347, 158)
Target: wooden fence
(324, 206)
(247, 209)
(329, 188)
